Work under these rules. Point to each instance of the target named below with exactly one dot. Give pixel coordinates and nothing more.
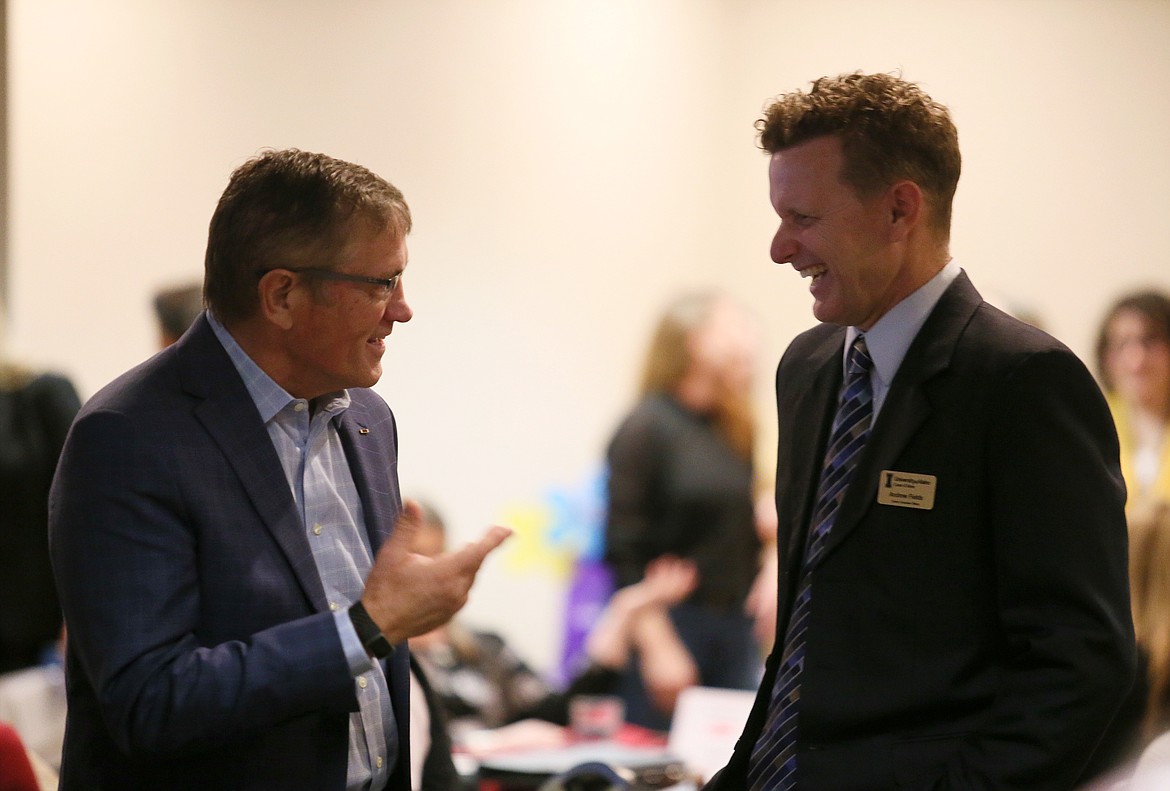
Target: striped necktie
(773, 761)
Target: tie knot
(859, 360)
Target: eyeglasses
(387, 284)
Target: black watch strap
(368, 632)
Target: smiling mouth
(815, 271)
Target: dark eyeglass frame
(388, 283)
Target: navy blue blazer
(201, 650)
(984, 642)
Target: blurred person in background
(680, 484)
(479, 681)
(1138, 733)
(36, 409)
(175, 309)
(1133, 364)
(761, 602)
(1149, 569)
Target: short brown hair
(290, 209)
(889, 130)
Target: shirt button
(379, 762)
(317, 530)
(362, 684)
(333, 606)
(300, 406)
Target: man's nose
(784, 247)
(397, 309)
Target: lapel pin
(363, 431)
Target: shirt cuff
(355, 653)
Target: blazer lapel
(367, 457)
(810, 407)
(228, 414)
(907, 405)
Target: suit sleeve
(129, 570)
(1055, 507)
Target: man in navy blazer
(226, 527)
(966, 622)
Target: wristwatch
(368, 632)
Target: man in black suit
(953, 600)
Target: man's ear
(907, 206)
(279, 297)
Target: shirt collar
(269, 397)
(890, 338)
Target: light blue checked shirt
(309, 447)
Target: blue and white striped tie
(773, 761)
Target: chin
(363, 378)
(826, 314)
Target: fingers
(670, 567)
(495, 536)
(671, 579)
(473, 555)
(412, 512)
(406, 526)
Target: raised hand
(408, 594)
(668, 580)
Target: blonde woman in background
(1133, 364)
(1134, 754)
(1149, 568)
(680, 483)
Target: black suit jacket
(986, 642)
(202, 651)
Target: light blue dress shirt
(890, 337)
(310, 451)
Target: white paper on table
(706, 723)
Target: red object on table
(16, 772)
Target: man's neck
(263, 348)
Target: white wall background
(572, 164)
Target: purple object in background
(590, 589)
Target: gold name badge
(907, 489)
